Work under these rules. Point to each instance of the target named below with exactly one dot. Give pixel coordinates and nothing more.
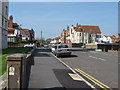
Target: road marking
(103, 53)
(74, 71)
(75, 76)
(97, 58)
(100, 84)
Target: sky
(52, 17)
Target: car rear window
(63, 46)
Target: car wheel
(69, 55)
(57, 56)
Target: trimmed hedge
(28, 41)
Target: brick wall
(16, 45)
(91, 46)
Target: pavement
(3, 81)
(46, 72)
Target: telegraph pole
(41, 37)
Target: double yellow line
(100, 84)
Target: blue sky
(53, 17)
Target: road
(46, 72)
(92, 69)
(101, 66)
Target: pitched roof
(25, 31)
(112, 37)
(88, 28)
(15, 25)
(57, 38)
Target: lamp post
(41, 37)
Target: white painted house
(106, 39)
(84, 34)
(56, 40)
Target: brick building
(16, 33)
(28, 34)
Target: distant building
(106, 39)
(116, 38)
(14, 31)
(81, 34)
(32, 34)
(118, 35)
(3, 24)
(25, 34)
(28, 34)
(56, 40)
(65, 36)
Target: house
(109, 39)
(32, 34)
(56, 40)
(116, 38)
(3, 24)
(63, 36)
(14, 31)
(52, 41)
(118, 35)
(67, 35)
(81, 34)
(86, 33)
(27, 34)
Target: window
(80, 40)
(80, 34)
(90, 35)
(6, 10)
(63, 46)
(6, 24)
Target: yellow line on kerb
(100, 84)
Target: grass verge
(9, 51)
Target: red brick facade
(19, 34)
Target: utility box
(16, 71)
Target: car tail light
(59, 50)
(68, 50)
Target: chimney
(67, 27)
(10, 22)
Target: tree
(48, 40)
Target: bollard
(16, 71)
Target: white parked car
(29, 45)
(61, 50)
